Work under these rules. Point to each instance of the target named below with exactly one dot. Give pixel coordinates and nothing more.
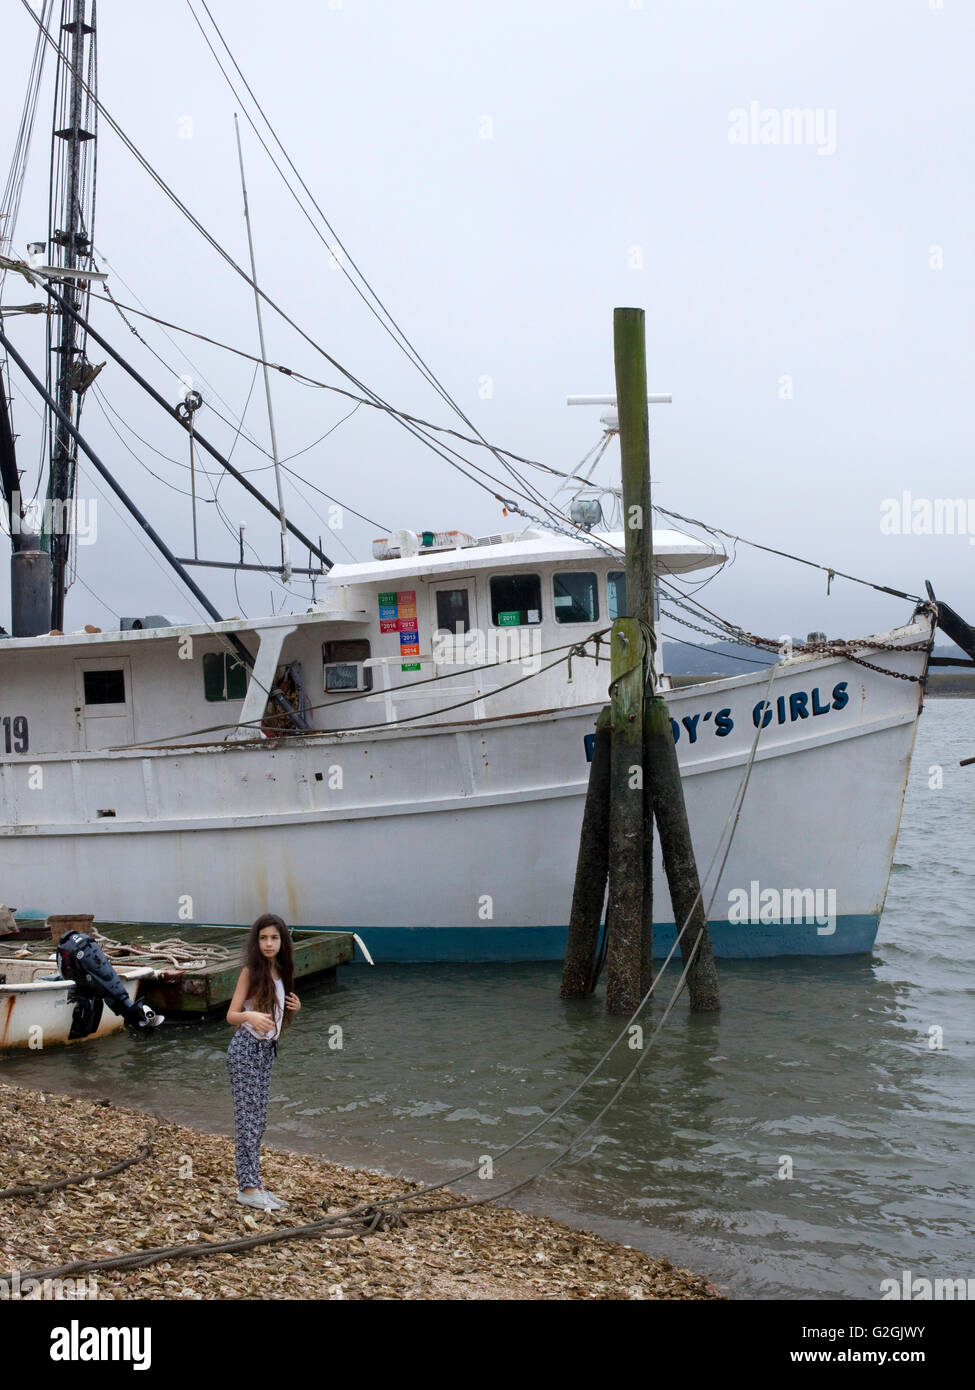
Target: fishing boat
(407, 759)
(450, 834)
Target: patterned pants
(249, 1062)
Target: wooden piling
(664, 792)
(629, 914)
(592, 866)
(624, 909)
(643, 780)
(646, 948)
(630, 353)
(667, 795)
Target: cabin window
(453, 610)
(104, 687)
(344, 670)
(224, 676)
(576, 598)
(515, 599)
(617, 594)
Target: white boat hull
(38, 1014)
(459, 842)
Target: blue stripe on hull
(854, 935)
(731, 940)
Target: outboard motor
(81, 959)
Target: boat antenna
(285, 555)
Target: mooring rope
(183, 955)
(32, 1189)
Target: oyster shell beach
(183, 1193)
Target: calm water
(827, 1063)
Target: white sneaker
(274, 1202)
(256, 1199)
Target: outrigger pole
(146, 525)
(198, 438)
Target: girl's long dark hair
(260, 980)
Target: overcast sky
(505, 174)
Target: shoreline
(185, 1193)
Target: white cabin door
(103, 701)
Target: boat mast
(285, 552)
(72, 204)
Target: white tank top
(278, 1015)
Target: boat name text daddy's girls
(799, 704)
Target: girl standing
(263, 1004)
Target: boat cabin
(437, 632)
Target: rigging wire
(235, 535)
(239, 426)
(95, 596)
(727, 656)
(146, 444)
(203, 471)
(385, 318)
(14, 187)
(122, 309)
(204, 620)
(303, 379)
(332, 530)
(442, 451)
(95, 105)
(785, 554)
(102, 401)
(10, 205)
